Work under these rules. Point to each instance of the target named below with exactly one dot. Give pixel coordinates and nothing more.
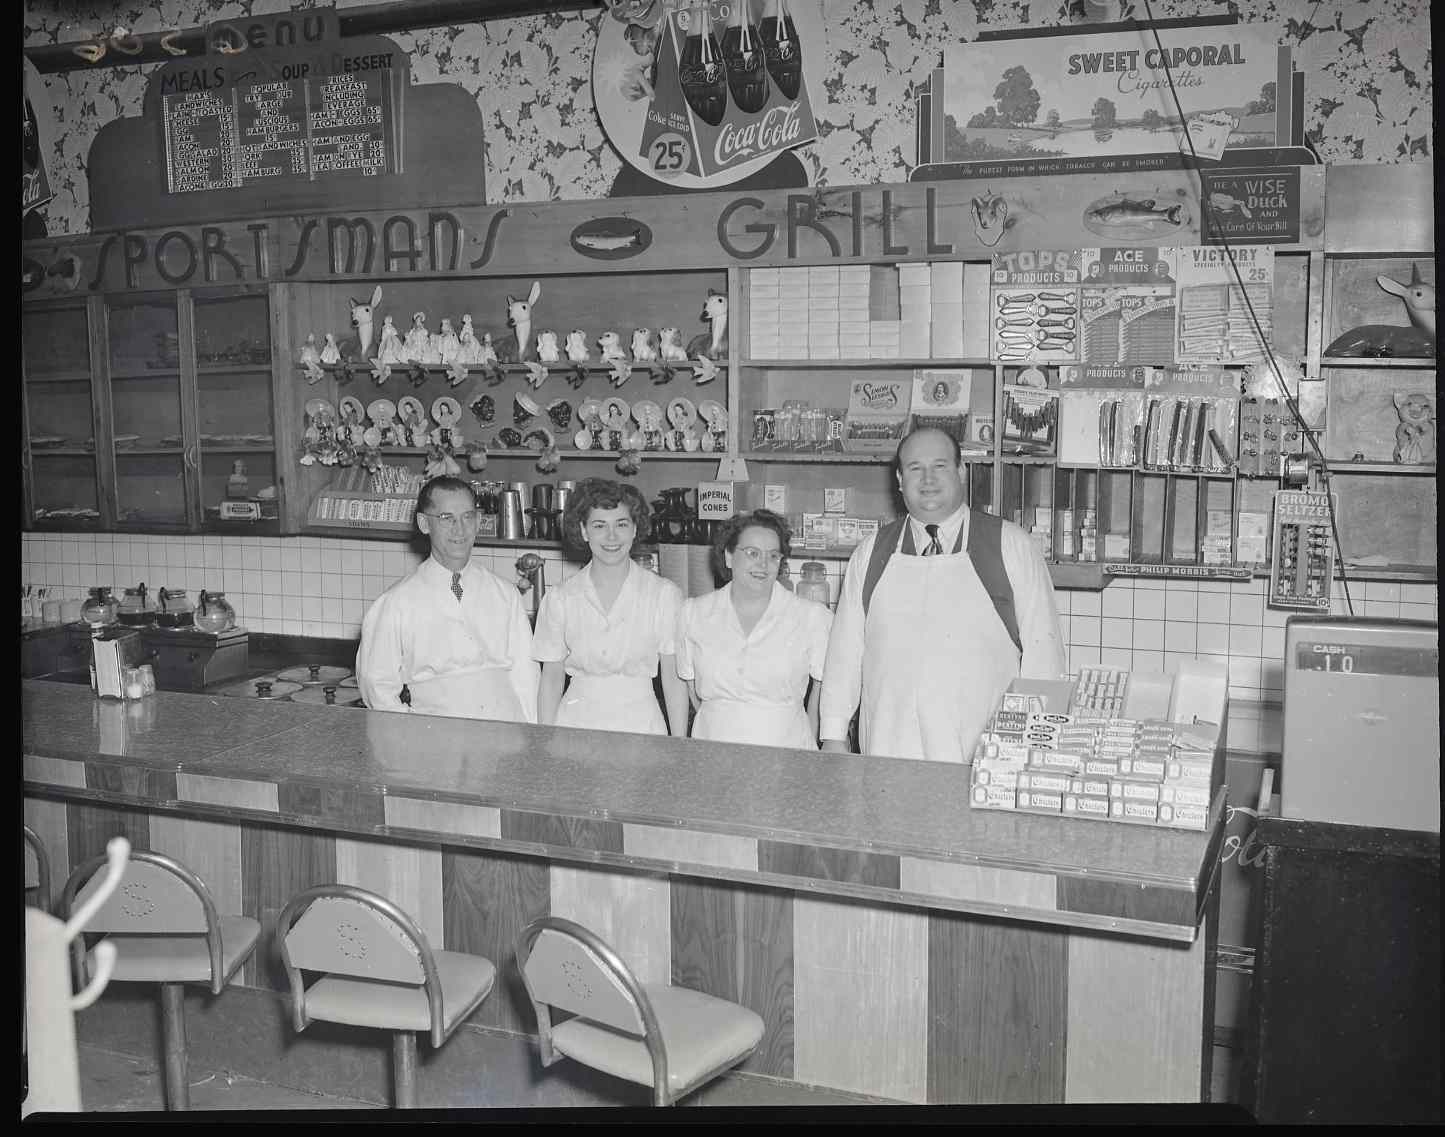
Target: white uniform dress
(465, 659)
(932, 657)
(611, 656)
(752, 686)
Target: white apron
(937, 660)
(756, 724)
(612, 702)
(470, 693)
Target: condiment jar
(136, 609)
(214, 615)
(814, 583)
(176, 610)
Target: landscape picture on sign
(1106, 94)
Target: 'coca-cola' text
(775, 130)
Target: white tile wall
(322, 586)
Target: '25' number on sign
(670, 155)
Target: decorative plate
(447, 411)
(320, 408)
(351, 405)
(681, 413)
(382, 412)
(615, 413)
(409, 409)
(714, 412)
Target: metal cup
(542, 494)
(511, 518)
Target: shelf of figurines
(661, 372)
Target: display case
(59, 416)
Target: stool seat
(181, 958)
(701, 1035)
(465, 981)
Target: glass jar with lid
(100, 610)
(814, 583)
(214, 615)
(176, 610)
(137, 609)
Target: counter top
(889, 816)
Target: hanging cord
(1289, 399)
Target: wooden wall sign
(876, 224)
(283, 113)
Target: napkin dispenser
(113, 651)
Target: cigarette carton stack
(1047, 751)
(915, 308)
(854, 334)
(945, 326)
(764, 319)
(822, 311)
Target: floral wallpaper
(1369, 85)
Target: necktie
(457, 586)
(933, 546)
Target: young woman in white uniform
(452, 633)
(750, 648)
(610, 628)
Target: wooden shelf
(646, 455)
(233, 368)
(148, 373)
(1406, 574)
(121, 451)
(1395, 469)
(1408, 363)
(62, 452)
(841, 364)
(57, 377)
(477, 370)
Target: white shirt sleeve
(669, 603)
(1038, 617)
(820, 623)
(525, 674)
(380, 657)
(549, 641)
(843, 669)
(684, 652)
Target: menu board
(303, 128)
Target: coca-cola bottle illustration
(700, 70)
(781, 48)
(742, 49)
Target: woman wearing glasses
(609, 629)
(452, 634)
(750, 648)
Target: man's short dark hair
(957, 447)
(441, 484)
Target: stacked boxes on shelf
(1063, 747)
(910, 310)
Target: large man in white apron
(452, 633)
(929, 653)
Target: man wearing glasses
(452, 634)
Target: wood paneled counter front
(895, 941)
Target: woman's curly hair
(726, 540)
(599, 493)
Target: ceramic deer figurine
(713, 344)
(361, 320)
(1415, 341)
(518, 347)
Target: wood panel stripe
(860, 976)
(564, 832)
(880, 870)
(432, 816)
(1128, 901)
(48, 819)
(53, 771)
(210, 849)
(488, 899)
(242, 793)
(997, 1011)
(690, 846)
(978, 882)
(352, 808)
(276, 864)
(1134, 1020)
(631, 911)
(89, 827)
(134, 782)
(410, 878)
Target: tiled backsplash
(318, 586)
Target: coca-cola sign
(700, 93)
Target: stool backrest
(346, 936)
(33, 852)
(156, 896)
(567, 966)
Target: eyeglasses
(757, 556)
(450, 520)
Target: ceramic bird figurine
(713, 343)
(1417, 341)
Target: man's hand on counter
(835, 746)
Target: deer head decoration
(1419, 298)
(361, 319)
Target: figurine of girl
(329, 351)
(389, 350)
(417, 345)
(469, 351)
(486, 354)
(446, 343)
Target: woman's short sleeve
(549, 638)
(685, 613)
(820, 623)
(669, 604)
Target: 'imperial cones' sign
(725, 92)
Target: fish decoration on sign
(1135, 215)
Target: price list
(350, 119)
(271, 130)
(200, 133)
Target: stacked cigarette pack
(1063, 748)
